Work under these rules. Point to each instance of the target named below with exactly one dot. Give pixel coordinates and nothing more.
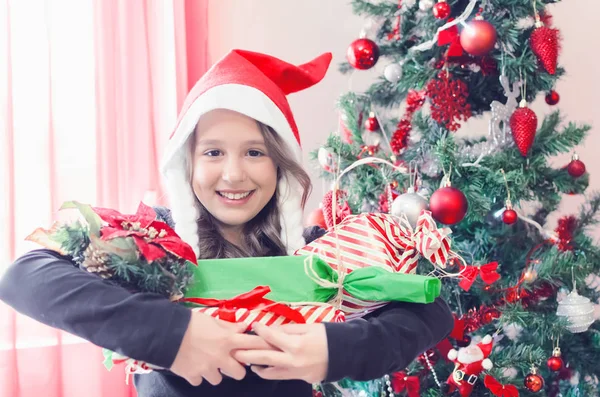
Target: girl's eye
(255, 153)
(213, 153)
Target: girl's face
(233, 175)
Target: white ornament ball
(393, 72)
(327, 160)
(411, 205)
(578, 309)
(425, 5)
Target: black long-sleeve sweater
(47, 287)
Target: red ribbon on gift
(426, 240)
(498, 389)
(488, 273)
(252, 300)
(401, 381)
(452, 37)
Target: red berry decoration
(478, 37)
(509, 216)
(555, 363)
(534, 382)
(441, 10)
(552, 98)
(448, 205)
(523, 124)
(371, 123)
(576, 167)
(545, 43)
(363, 54)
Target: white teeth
(235, 196)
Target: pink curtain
(89, 91)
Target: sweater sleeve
(387, 340)
(47, 287)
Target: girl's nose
(233, 170)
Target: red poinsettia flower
(153, 238)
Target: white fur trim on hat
(253, 103)
(486, 339)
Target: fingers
(296, 329)
(234, 327)
(272, 373)
(213, 376)
(194, 380)
(249, 342)
(233, 369)
(263, 357)
(274, 336)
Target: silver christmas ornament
(578, 309)
(425, 5)
(411, 205)
(393, 72)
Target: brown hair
(262, 233)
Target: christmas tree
(524, 292)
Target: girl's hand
(299, 352)
(207, 347)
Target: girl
(236, 189)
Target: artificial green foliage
(536, 183)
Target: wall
(297, 31)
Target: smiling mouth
(235, 196)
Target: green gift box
(305, 278)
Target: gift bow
(498, 389)
(401, 381)
(426, 240)
(488, 273)
(251, 300)
(451, 36)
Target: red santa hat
(254, 85)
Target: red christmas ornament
(448, 100)
(523, 124)
(488, 314)
(478, 37)
(441, 10)
(371, 123)
(545, 45)
(555, 363)
(552, 98)
(363, 54)
(534, 382)
(448, 205)
(316, 218)
(509, 216)
(576, 167)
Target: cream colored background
(297, 31)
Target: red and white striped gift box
(382, 240)
(311, 314)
